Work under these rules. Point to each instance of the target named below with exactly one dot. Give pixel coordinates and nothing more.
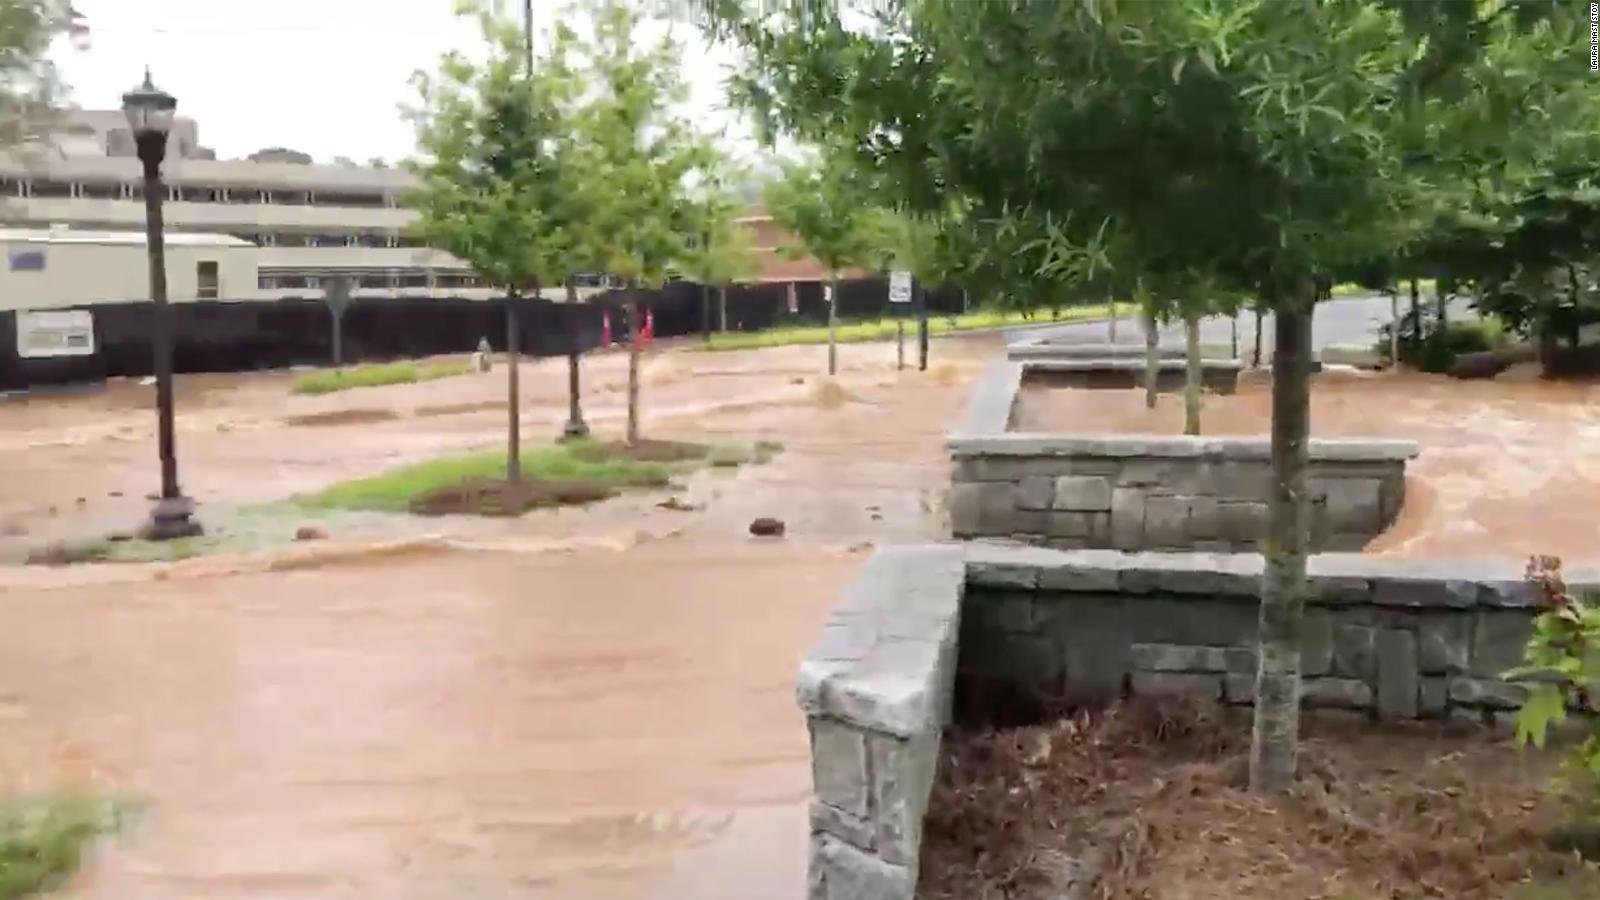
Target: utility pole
(513, 327)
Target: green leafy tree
(30, 87)
(720, 252)
(1260, 146)
(496, 181)
(828, 209)
(642, 155)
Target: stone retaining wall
(1219, 376)
(1152, 492)
(876, 691)
(1393, 639)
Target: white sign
(899, 287)
(66, 332)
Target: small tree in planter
(496, 182)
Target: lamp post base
(171, 518)
(574, 430)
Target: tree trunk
(1152, 357)
(1273, 750)
(633, 365)
(1255, 356)
(1191, 381)
(899, 344)
(513, 389)
(833, 325)
(575, 427)
(705, 313)
(722, 308)
(1111, 329)
(1442, 292)
(1394, 329)
(338, 339)
(1233, 334)
(1416, 315)
(921, 300)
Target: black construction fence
(234, 336)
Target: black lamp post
(150, 112)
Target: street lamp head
(150, 110)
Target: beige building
(49, 269)
(307, 222)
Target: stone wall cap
(988, 409)
(1122, 364)
(967, 443)
(877, 663)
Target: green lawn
(42, 839)
(883, 330)
(394, 490)
(326, 381)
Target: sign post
(899, 294)
(336, 295)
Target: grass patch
(396, 490)
(42, 839)
(727, 456)
(884, 329)
(573, 472)
(122, 550)
(327, 381)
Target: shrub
(1564, 656)
(1440, 348)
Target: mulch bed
(499, 497)
(644, 451)
(1152, 798)
(342, 417)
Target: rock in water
(767, 527)
(310, 533)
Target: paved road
(1349, 320)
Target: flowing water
(1506, 468)
(585, 703)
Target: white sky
(322, 76)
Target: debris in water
(830, 395)
(767, 527)
(677, 504)
(310, 533)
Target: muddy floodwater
(582, 703)
(1507, 466)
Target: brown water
(585, 703)
(1506, 468)
(451, 725)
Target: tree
(641, 156)
(826, 206)
(1264, 146)
(280, 155)
(720, 252)
(30, 87)
(497, 185)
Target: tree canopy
(30, 87)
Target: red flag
(649, 327)
(605, 327)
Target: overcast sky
(322, 76)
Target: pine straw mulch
(1151, 795)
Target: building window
(102, 191)
(206, 274)
(291, 198)
(368, 201)
(372, 239)
(51, 190)
(414, 280)
(377, 281)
